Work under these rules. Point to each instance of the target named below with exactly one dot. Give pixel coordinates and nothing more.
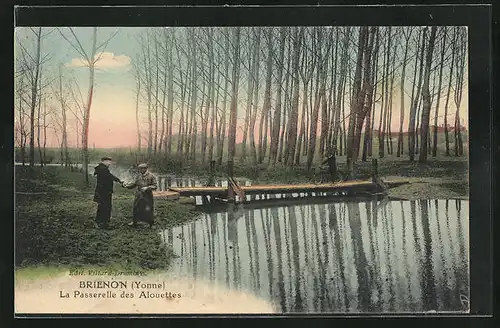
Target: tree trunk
(34, 96)
(450, 81)
(370, 107)
(356, 89)
(424, 130)
(411, 129)
(311, 149)
(234, 95)
(64, 143)
(162, 143)
(370, 100)
(183, 87)
(220, 146)
(137, 121)
(255, 102)
(459, 83)
(266, 108)
(170, 94)
(286, 105)
(248, 111)
(305, 108)
(385, 109)
(333, 91)
(417, 131)
(293, 118)
(156, 96)
(320, 100)
(436, 115)
(365, 94)
(182, 119)
(45, 130)
(306, 72)
(343, 141)
(391, 92)
(275, 135)
(86, 119)
(192, 135)
(205, 111)
(341, 90)
(22, 131)
(399, 151)
(147, 63)
(212, 104)
(382, 103)
(38, 130)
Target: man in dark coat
(103, 192)
(143, 203)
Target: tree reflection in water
(402, 256)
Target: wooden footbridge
(345, 187)
(355, 187)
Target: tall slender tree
(234, 94)
(90, 58)
(426, 96)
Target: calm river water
(372, 256)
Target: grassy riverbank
(55, 228)
(441, 178)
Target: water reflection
(402, 256)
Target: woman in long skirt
(143, 203)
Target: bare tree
(321, 79)
(90, 58)
(364, 101)
(411, 129)
(234, 95)
(407, 36)
(293, 117)
(33, 66)
(355, 100)
(137, 120)
(266, 108)
(424, 130)
(222, 132)
(341, 89)
(252, 105)
(212, 105)
(63, 102)
(439, 88)
(308, 64)
(460, 58)
(22, 118)
(371, 95)
(275, 135)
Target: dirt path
(44, 296)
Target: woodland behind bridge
(289, 93)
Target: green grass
(39, 272)
(57, 228)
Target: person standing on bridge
(332, 164)
(103, 192)
(143, 203)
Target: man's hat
(105, 158)
(143, 166)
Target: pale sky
(113, 121)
